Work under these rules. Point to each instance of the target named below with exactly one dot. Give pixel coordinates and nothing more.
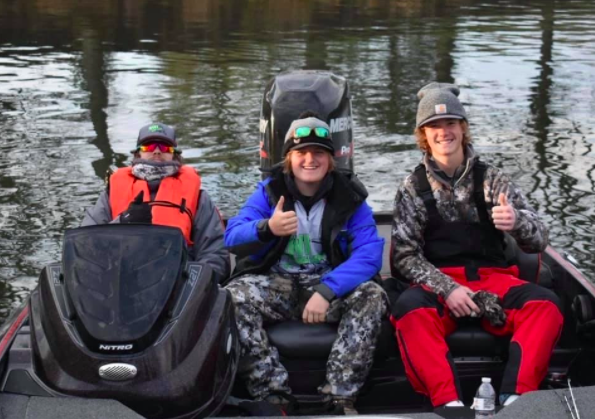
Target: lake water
(78, 79)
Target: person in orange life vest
(158, 175)
(450, 216)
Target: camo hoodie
(454, 201)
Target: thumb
(502, 200)
(279, 206)
(139, 198)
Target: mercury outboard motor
(289, 94)
(126, 316)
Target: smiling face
(309, 166)
(445, 139)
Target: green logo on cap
(155, 128)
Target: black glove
(138, 212)
(490, 307)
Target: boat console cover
(120, 278)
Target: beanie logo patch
(155, 128)
(297, 140)
(440, 109)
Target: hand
(460, 303)
(504, 215)
(138, 212)
(315, 310)
(283, 223)
(489, 304)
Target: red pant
(422, 322)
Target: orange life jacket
(124, 187)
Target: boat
(95, 338)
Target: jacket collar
(347, 191)
(460, 173)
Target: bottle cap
(486, 380)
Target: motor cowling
(289, 94)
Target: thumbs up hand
(138, 212)
(503, 214)
(283, 223)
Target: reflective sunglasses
(320, 132)
(164, 148)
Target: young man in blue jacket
(307, 248)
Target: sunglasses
(320, 132)
(164, 148)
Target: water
(77, 81)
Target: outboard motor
(289, 94)
(127, 317)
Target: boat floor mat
(33, 407)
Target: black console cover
(119, 277)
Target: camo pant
(266, 299)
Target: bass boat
(126, 326)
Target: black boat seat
(531, 267)
(470, 340)
(294, 339)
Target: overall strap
(479, 170)
(424, 190)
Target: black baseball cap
(157, 131)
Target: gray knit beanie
(438, 101)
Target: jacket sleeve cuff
(448, 292)
(264, 231)
(517, 219)
(324, 290)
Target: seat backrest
(531, 267)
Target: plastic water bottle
(484, 402)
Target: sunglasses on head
(320, 132)
(164, 148)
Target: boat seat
(531, 266)
(295, 339)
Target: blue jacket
(349, 235)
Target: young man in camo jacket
(450, 216)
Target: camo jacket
(454, 201)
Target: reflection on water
(77, 82)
